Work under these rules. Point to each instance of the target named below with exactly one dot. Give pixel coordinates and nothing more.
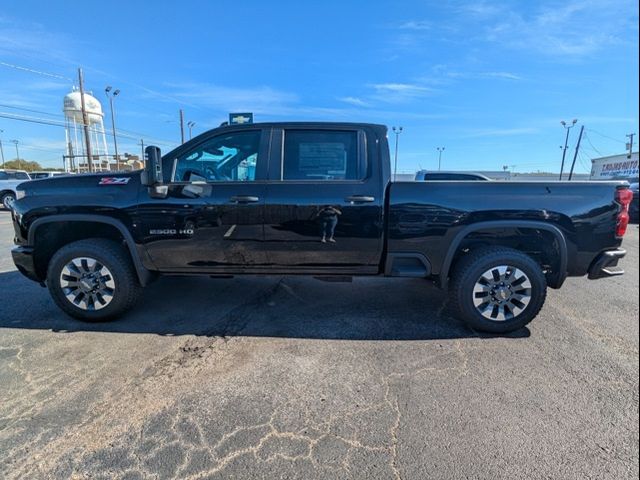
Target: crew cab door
(212, 218)
(324, 206)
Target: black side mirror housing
(152, 174)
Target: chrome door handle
(244, 199)
(359, 199)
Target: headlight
(20, 194)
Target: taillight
(623, 197)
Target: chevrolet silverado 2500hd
(313, 199)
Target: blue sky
(489, 81)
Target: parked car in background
(45, 174)
(633, 207)
(9, 180)
(428, 176)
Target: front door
(212, 218)
(324, 202)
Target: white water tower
(74, 132)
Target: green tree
(22, 164)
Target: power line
(594, 148)
(605, 136)
(60, 123)
(23, 118)
(29, 110)
(583, 163)
(31, 70)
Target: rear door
(324, 205)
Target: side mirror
(152, 174)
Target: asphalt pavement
(291, 377)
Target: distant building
(506, 175)
(615, 167)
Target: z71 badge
(114, 180)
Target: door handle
(359, 199)
(244, 199)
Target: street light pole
(397, 131)
(566, 140)
(17, 153)
(107, 91)
(1, 150)
(440, 150)
(190, 124)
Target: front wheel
(498, 289)
(93, 280)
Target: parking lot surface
(291, 377)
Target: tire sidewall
(105, 257)
(520, 261)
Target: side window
(321, 155)
(22, 176)
(225, 158)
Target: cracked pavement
(291, 377)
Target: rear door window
(319, 155)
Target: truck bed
(429, 217)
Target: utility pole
(566, 139)
(85, 122)
(181, 125)
(1, 150)
(71, 158)
(440, 150)
(631, 135)
(142, 147)
(397, 131)
(113, 122)
(575, 155)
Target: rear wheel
(8, 199)
(498, 289)
(93, 280)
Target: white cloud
(501, 75)
(18, 39)
(502, 132)
(261, 99)
(400, 92)
(574, 29)
(355, 101)
(481, 8)
(416, 25)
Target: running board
(334, 278)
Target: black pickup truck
(312, 199)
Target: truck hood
(72, 183)
(97, 189)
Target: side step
(334, 278)
(414, 265)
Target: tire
(497, 303)
(7, 200)
(108, 269)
